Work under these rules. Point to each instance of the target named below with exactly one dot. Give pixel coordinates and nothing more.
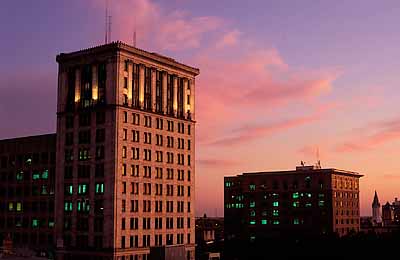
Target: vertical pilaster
(130, 92)
(153, 89)
(95, 85)
(192, 98)
(185, 97)
(175, 101)
(141, 85)
(77, 85)
(164, 91)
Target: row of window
(347, 221)
(146, 189)
(84, 154)
(158, 240)
(26, 222)
(26, 191)
(84, 137)
(27, 206)
(146, 206)
(295, 221)
(158, 223)
(26, 160)
(147, 154)
(135, 120)
(159, 139)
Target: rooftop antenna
(109, 28)
(106, 25)
(134, 34)
(318, 160)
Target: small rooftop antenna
(107, 25)
(318, 160)
(134, 34)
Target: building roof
(120, 46)
(305, 169)
(376, 203)
(28, 138)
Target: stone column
(141, 86)
(192, 98)
(130, 92)
(153, 88)
(175, 101)
(164, 91)
(95, 85)
(185, 97)
(77, 85)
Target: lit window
(264, 222)
(252, 187)
(19, 206)
(99, 188)
(69, 189)
(67, 206)
(308, 205)
(252, 213)
(20, 176)
(10, 206)
(252, 222)
(45, 174)
(35, 223)
(295, 195)
(36, 175)
(296, 221)
(275, 203)
(252, 204)
(275, 212)
(321, 203)
(308, 195)
(275, 222)
(296, 204)
(82, 188)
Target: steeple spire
(375, 203)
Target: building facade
(125, 153)
(27, 186)
(308, 202)
(391, 213)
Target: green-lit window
(240, 197)
(295, 195)
(275, 222)
(296, 221)
(228, 205)
(275, 195)
(82, 188)
(252, 204)
(83, 206)
(321, 195)
(51, 223)
(44, 190)
(275, 213)
(308, 195)
(252, 213)
(19, 206)
(69, 189)
(252, 222)
(35, 223)
(321, 203)
(45, 174)
(308, 204)
(36, 175)
(296, 204)
(68, 206)
(239, 205)
(11, 206)
(99, 188)
(252, 187)
(275, 203)
(264, 222)
(228, 184)
(20, 176)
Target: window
(124, 134)
(124, 152)
(275, 212)
(125, 82)
(252, 204)
(82, 189)
(275, 204)
(99, 188)
(295, 195)
(69, 189)
(296, 221)
(125, 117)
(264, 222)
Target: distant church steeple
(376, 210)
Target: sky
(279, 79)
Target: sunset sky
(278, 80)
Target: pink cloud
(228, 39)
(217, 163)
(384, 132)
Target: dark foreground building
(27, 174)
(306, 203)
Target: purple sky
(285, 77)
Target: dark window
(159, 83)
(100, 117)
(147, 88)
(102, 77)
(135, 85)
(170, 94)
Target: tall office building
(27, 185)
(306, 202)
(125, 154)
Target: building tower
(376, 210)
(125, 154)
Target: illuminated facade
(125, 153)
(306, 202)
(27, 172)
